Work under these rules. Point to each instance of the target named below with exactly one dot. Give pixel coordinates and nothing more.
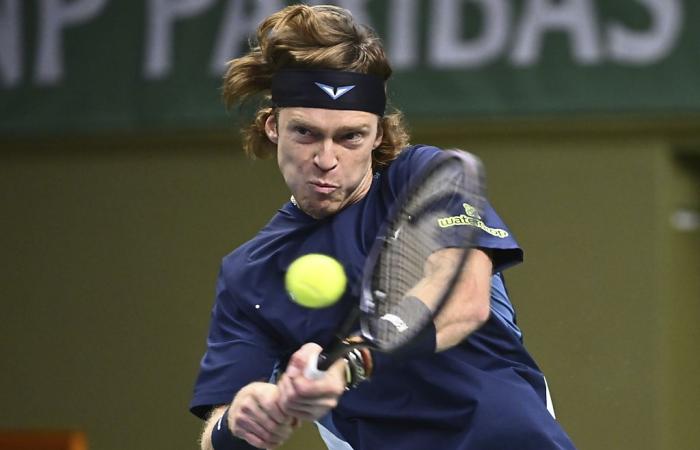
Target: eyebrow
(297, 122)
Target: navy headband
(329, 89)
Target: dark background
(120, 195)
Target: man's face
(325, 155)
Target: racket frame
(367, 304)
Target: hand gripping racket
(416, 260)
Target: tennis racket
(416, 260)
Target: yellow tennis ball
(315, 280)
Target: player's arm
(212, 421)
(467, 308)
(469, 305)
(254, 419)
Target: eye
(353, 136)
(302, 131)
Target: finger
(294, 402)
(297, 362)
(296, 409)
(325, 404)
(276, 413)
(261, 412)
(251, 433)
(251, 418)
(280, 432)
(257, 442)
(300, 392)
(328, 386)
(304, 410)
(310, 414)
(287, 392)
(305, 414)
(246, 423)
(297, 403)
(252, 439)
(271, 407)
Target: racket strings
(413, 238)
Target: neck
(361, 190)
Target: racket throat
(338, 350)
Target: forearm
(212, 421)
(469, 305)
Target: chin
(320, 211)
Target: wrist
(223, 439)
(359, 366)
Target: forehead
(327, 118)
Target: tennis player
(470, 384)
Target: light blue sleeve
(501, 306)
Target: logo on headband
(333, 92)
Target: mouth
(323, 187)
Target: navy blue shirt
(478, 394)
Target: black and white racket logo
(396, 321)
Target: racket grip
(312, 371)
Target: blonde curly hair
(309, 37)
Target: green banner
(83, 65)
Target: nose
(325, 157)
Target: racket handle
(312, 371)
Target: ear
(271, 128)
(380, 134)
